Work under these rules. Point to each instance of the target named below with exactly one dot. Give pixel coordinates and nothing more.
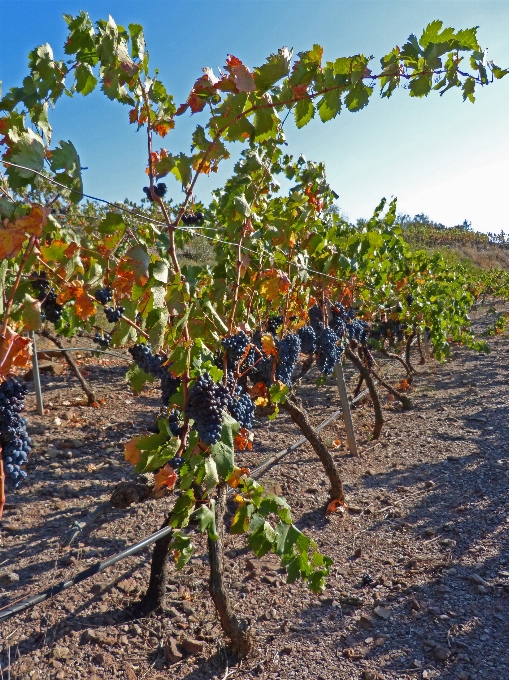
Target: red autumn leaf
(166, 477)
(300, 91)
(133, 115)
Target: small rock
(103, 659)
(478, 580)
(430, 531)
(61, 652)
(193, 646)
(382, 612)
(9, 577)
(441, 653)
(429, 484)
(366, 621)
(287, 650)
(464, 675)
(129, 673)
(371, 675)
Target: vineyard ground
(429, 523)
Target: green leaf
(241, 205)
(112, 223)
(278, 392)
(277, 67)
(183, 509)
(159, 319)
(32, 319)
(182, 549)
(304, 111)
(159, 271)
(329, 105)
(85, 79)
(240, 521)
(137, 41)
(223, 451)
(29, 152)
(266, 124)
(137, 378)
(262, 539)
(67, 160)
(207, 520)
(468, 89)
(141, 261)
(358, 97)
(211, 478)
(420, 86)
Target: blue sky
(438, 155)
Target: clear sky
(438, 155)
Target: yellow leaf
(269, 344)
(84, 306)
(131, 452)
(33, 222)
(11, 241)
(261, 401)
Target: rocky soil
(420, 582)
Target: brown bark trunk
(358, 388)
(74, 367)
(407, 403)
(419, 346)
(293, 406)
(235, 630)
(393, 355)
(154, 597)
(366, 375)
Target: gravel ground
(428, 522)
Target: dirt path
(429, 526)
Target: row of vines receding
(229, 304)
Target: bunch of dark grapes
(173, 420)
(139, 319)
(261, 370)
(114, 315)
(328, 351)
(409, 299)
(103, 295)
(102, 340)
(273, 323)
(235, 347)
(50, 309)
(241, 407)
(176, 463)
(15, 443)
(192, 218)
(315, 314)
(288, 353)
(307, 339)
(205, 404)
(159, 191)
(357, 330)
(153, 365)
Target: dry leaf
(131, 451)
(336, 506)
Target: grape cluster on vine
(15, 444)
(288, 354)
(103, 295)
(114, 315)
(159, 191)
(192, 218)
(205, 404)
(153, 365)
(235, 347)
(50, 309)
(103, 340)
